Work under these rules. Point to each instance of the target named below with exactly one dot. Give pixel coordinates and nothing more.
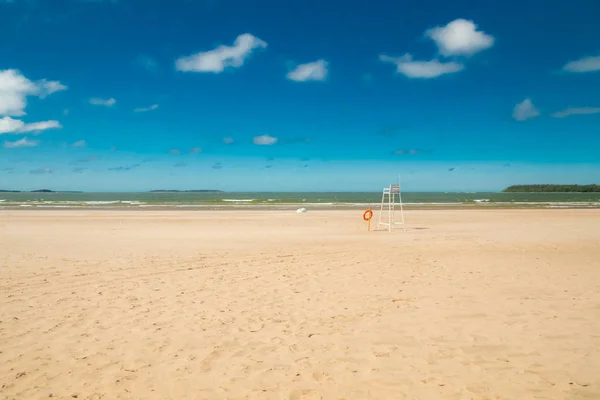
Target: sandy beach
(466, 304)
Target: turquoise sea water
(289, 200)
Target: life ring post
(367, 215)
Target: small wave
(56, 202)
(239, 200)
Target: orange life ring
(368, 215)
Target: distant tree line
(39, 191)
(553, 188)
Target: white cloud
(228, 140)
(525, 110)
(313, 71)
(21, 143)
(218, 59)
(79, 143)
(264, 140)
(15, 88)
(10, 125)
(41, 171)
(421, 69)
(102, 102)
(40, 126)
(460, 37)
(576, 111)
(585, 64)
(401, 152)
(49, 87)
(146, 109)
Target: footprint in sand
(320, 376)
(305, 394)
(206, 364)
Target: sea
(286, 200)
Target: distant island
(39, 191)
(552, 189)
(55, 191)
(185, 191)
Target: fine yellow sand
(493, 304)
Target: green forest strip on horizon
(552, 189)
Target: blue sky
(293, 95)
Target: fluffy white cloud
(21, 143)
(525, 110)
(218, 59)
(79, 143)
(585, 64)
(576, 111)
(313, 71)
(96, 101)
(15, 88)
(146, 109)
(10, 125)
(41, 126)
(422, 69)
(264, 140)
(49, 87)
(228, 140)
(459, 37)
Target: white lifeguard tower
(389, 203)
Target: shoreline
(310, 206)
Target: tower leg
(390, 200)
(401, 210)
(381, 211)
